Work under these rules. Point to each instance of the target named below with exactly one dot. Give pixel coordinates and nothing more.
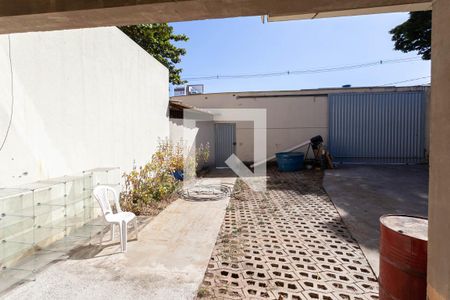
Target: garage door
(377, 127)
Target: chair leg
(123, 237)
(112, 231)
(136, 228)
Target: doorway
(225, 143)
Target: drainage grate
(287, 243)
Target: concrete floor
(170, 258)
(362, 194)
(167, 262)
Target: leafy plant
(414, 34)
(203, 153)
(192, 163)
(159, 40)
(154, 182)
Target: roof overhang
(179, 111)
(351, 12)
(42, 15)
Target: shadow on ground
(362, 194)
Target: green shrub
(202, 153)
(154, 182)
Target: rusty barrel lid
(412, 226)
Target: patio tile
(289, 243)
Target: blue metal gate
(225, 143)
(377, 127)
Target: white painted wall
(292, 116)
(180, 134)
(83, 99)
(290, 121)
(201, 133)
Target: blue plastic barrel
(290, 161)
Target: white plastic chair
(121, 218)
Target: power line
(306, 71)
(408, 80)
(12, 93)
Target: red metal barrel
(403, 257)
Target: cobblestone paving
(286, 243)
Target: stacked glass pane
(43, 221)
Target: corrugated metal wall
(377, 127)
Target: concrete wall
(288, 124)
(82, 99)
(201, 133)
(439, 187)
(292, 116)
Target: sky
(247, 46)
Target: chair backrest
(101, 194)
